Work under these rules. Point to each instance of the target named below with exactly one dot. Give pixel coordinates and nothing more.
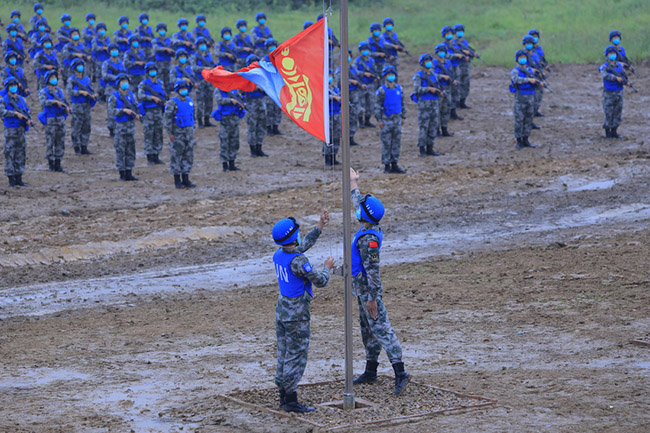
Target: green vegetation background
(572, 30)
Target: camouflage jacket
(367, 287)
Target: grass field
(572, 30)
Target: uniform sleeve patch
(307, 267)
(373, 244)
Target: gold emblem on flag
(301, 96)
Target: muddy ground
(516, 275)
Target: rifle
(399, 46)
(152, 92)
(380, 49)
(228, 49)
(539, 75)
(627, 64)
(472, 52)
(375, 77)
(27, 122)
(88, 89)
(623, 75)
(446, 71)
(245, 43)
(435, 85)
(127, 104)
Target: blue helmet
(364, 44)
(143, 16)
(134, 38)
(225, 30)
(179, 84)
(200, 40)
(424, 57)
(9, 54)
(610, 49)
(66, 17)
(150, 66)
(15, 13)
(161, 26)
(388, 69)
(9, 81)
(459, 28)
(375, 26)
(270, 42)
(180, 53)
(123, 19)
(320, 17)
(371, 210)
(49, 74)
(200, 17)
(251, 59)
(388, 20)
(259, 16)
(100, 25)
(76, 62)
(37, 6)
(533, 32)
(182, 21)
(286, 231)
(122, 77)
(441, 47)
(445, 30)
(241, 23)
(613, 34)
(528, 39)
(307, 24)
(90, 16)
(521, 53)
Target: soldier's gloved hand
(371, 308)
(329, 263)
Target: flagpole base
(348, 401)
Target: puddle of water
(39, 377)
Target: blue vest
(365, 66)
(113, 69)
(226, 47)
(144, 32)
(335, 106)
(526, 88)
(203, 32)
(18, 74)
(138, 56)
(12, 122)
(54, 110)
(393, 40)
(157, 87)
(266, 33)
(442, 67)
(291, 285)
(392, 100)
(123, 118)
(243, 42)
(101, 42)
(65, 32)
(612, 86)
(453, 48)
(376, 46)
(187, 37)
(163, 56)
(357, 263)
(85, 82)
(227, 109)
(17, 47)
(89, 35)
(183, 71)
(185, 113)
(428, 96)
(205, 62)
(73, 49)
(255, 94)
(53, 60)
(123, 46)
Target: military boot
(446, 133)
(150, 160)
(614, 133)
(292, 405)
(207, 123)
(85, 151)
(12, 180)
(328, 160)
(283, 398)
(200, 122)
(369, 375)
(187, 182)
(57, 166)
(334, 160)
(50, 163)
(232, 166)
(538, 114)
(386, 168)
(269, 130)
(128, 175)
(431, 152)
(402, 378)
(455, 115)
(438, 133)
(18, 180)
(352, 142)
(520, 143)
(156, 159)
(535, 126)
(608, 133)
(77, 150)
(253, 151)
(276, 130)
(259, 151)
(423, 151)
(177, 181)
(122, 175)
(368, 123)
(225, 166)
(396, 169)
(527, 143)
(464, 105)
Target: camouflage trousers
(463, 78)
(273, 113)
(181, 150)
(455, 90)
(15, 151)
(229, 138)
(335, 137)
(378, 334)
(428, 121)
(524, 110)
(55, 138)
(444, 105)
(152, 128)
(539, 95)
(355, 111)
(613, 108)
(110, 120)
(256, 121)
(163, 73)
(367, 99)
(203, 99)
(391, 139)
(124, 143)
(80, 125)
(293, 348)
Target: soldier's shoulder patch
(307, 267)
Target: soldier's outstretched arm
(354, 187)
(313, 235)
(301, 267)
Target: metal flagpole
(348, 396)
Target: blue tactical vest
(376, 46)
(393, 40)
(255, 94)
(202, 32)
(392, 100)
(186, 37)
(101, 42)
(183, 71)
(144, 32)
(612, 86)
(291, 285)
(53, 60)
(138, 56)
(65, 32)
(17, 47)
(442, 67)
(158, 89)
(227, 109)
(85, 82)
(89, 35)
(12, 122)
(243, 42)
(266, 33)
(365, 66)
(185, 113)
(357, 263)
(18, 74)
(226, 47)
(113, 69)
(123, 47)
(205, 62)
(74, 48)
(123, 118)
(335, 106)
(165, 42)
(54, 110)
(526, 88)
(453, 48)
(428, 96)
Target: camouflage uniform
(71, 51)
(44, 59)
(80, 111)
(229, 130)
(109, 75)
(15, 145)
(181, 148)
(273, 113)
(100, 55)
(612, 99)
(376, 334)
(163, 58)
(391, 133)
(464, 71)
(524, 108)
(367, 95)
(136, 72)
(152, 120)
(124, 140)
(335, 124)
(204, 89)
(355, 102)
(255, 118)
(292, 318)
(442, 67)
(428, 109)
(55, 128)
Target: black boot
(253, 151)
(269, 130)
(200, 122)
(520, 143)
(156, 159)
(232, 166)
(455, 115)
(85, 151)
(431, 152)
(402, 378)
(57, 166)
(369, 124)
(438, 133)
(283, 398)
(50, 163)
(608, 133)
(446, 133)
(150, 160)
(464, 105)
(423, 151)
(396, 169)
(128, 175)
(527, 143)
(276, 130)
(18, 180)
(77, 150)
(259, 151)
(225, 166)
(538, 114)
(122, 175)
(177, 181)
(292, 405)
(328, 160)
(111, 132)
(207, 123)
(334, 161)
(12, 180)
(362, 123)
(187, 183)
(368, 376)
(535, 126)
(614, 133)
(386, 168)
(352, 142)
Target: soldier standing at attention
(202, 60)
(464, 68)
(445, 76)
(615, 39)
(392, 42)
(255, 116)
(145, 35)
(13, 70)
(390, 112)
(152, 97)
(366, 285)
(182, 38)
(89, 33)
(230, 110)
(355, 87)
(45, 61)
(226, 51)
(330, 151)
(75, 49)
(38, 16)
(523, 85)
(367, 71)
(535, 63)
(182, 70)
(63, 33)
(378, 49)
(273, 112)
(83, 98)
(121, 36)
(99, 50)
(111, 69)
(179, 122)
(244, 43)
(123, 108)
(614, 79)
(16, 118)
(14, 44)
(260, 34)
(427, 90)
(455, 56)
(163, 53)
(292, 316)
(202, 31)
(55, 111)
(134, 61)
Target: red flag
(227, 81)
